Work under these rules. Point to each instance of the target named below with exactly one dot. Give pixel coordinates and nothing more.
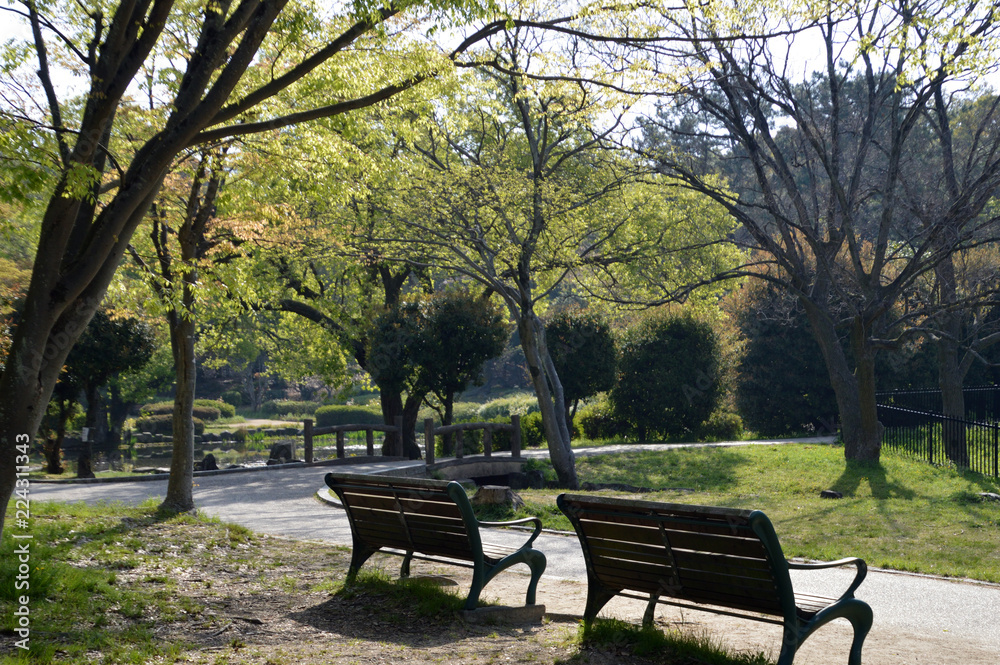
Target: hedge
(226, 410)
(280, 407)
(164, 424)
(504, 406)
(211, 412)
(342, 414)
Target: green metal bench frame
(710, 558)
(431, 520)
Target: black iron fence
(982, 403)
(940, 439)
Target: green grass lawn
(902, 514)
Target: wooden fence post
(370, 441)
(398, 421)
(515, 437)
(429, 440)
(307, 434)
(340, 444)
(487, 442)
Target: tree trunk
(117, 415)
(869, 444)
(97, 431)
(545, 381)
(53, 449)
(859, 426)
(393, 406)
(45, 333)
(951, 374)
(448, 440)
(180, 495)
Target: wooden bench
(709, 558)
(432, 520)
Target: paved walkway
(282, 501)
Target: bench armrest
(858, 578)
(526, 520)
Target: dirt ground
(276, 601)
(247, 621)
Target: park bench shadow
(408, 613)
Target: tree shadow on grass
(702, 469)
(874, 474)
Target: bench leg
(597, 597)
(862, 623)
(537, 566)
(404, 568)
(790, 643)
(647, 617)
(359, 555)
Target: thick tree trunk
(951, 381)
(951, 374)
(868, 447)
(45, 333)
(180, 495)
(117, 415)
(859, 426)
(448, 440)
(551, 402)
(393, 406)
(53, 449)
(97, 431)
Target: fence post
(459, 445)
(398, 421)
(515, 437)
(370, 441)
(996, 451)
(487, 441)
(307, 435)
(930, 441)
(429, 440)
(340, 444)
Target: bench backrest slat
(701, 554)
(405, 514)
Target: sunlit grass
(902, 513)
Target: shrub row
(204, 409)
(280, 407)
(342, 414)
(164, 424)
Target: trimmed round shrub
(341, 414)
(504, 406)
(207, 410)
(233, 398)
(598, 421)
(279, 407)
(532, 432)
(164, 424)
(669, 375)
(225, 410)
(722, 426)
(157, 409)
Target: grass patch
(671, 647)
(902, 513)
(393, 597)
(79, 603)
